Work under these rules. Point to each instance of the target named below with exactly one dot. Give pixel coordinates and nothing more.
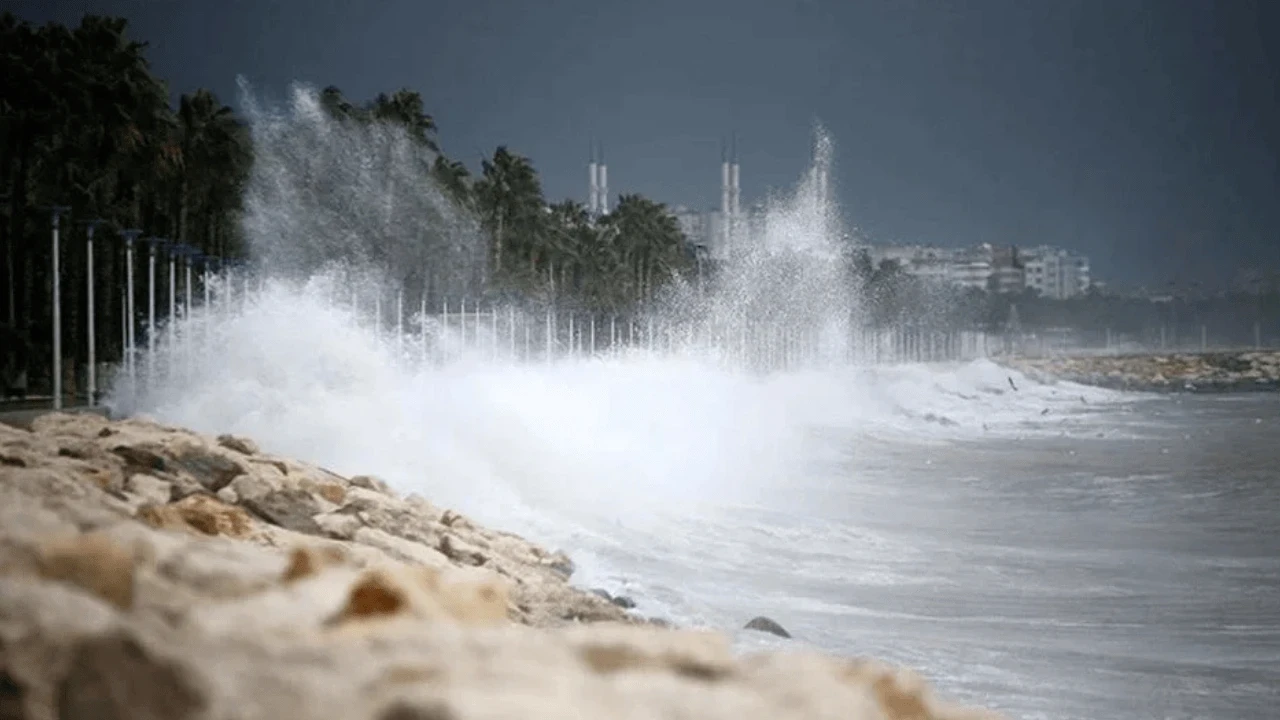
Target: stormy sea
(1046, 549)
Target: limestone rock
(291, 508)
(338, 525)
(242, 445)
(1192, 372)
(150, 490)
(213, 468)
(199, 514)
(12, 698)
(115, 677)
(143, 459)
(369, 482)
(256, 485)
(93, 563)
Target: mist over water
(329, 195)
(952, 516)
(339, 214)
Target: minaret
(593, 185)
(726, 201)
(735, 196)
(602, 202)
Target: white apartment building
(1052, 272)
(1055, 273)
(982, 268)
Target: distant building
(1255, 282)
(1056, 273)
(984, 267)
(973, 271)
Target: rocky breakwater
(150, 572)
(1184, 372)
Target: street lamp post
(152, 244)
(129, 236)
(186, 284)
(57, 310)
(206, 272)
(174, 251)
(92, 374)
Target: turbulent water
(1054, 551)
(1057, 551)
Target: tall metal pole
(129, 236)
(188, 257)
(549, 338)
(493, 333)
(151, 299)
(227, 268)
(444, 327)
(124, 321)
(204, 279)
(152, 243)
(173, 295)
(57, 311)
(511, 331)
(92, 345)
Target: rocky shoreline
(153, 572)
(1209, 372)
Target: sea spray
(787, 273)
(582, 451)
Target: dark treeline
(87, 126)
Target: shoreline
(151, 571)
(1220, 372)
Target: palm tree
(454, 179)
(405, 108)
(650, 242)
(509, 199)
(214, 156)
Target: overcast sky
(1144, 133)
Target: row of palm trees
(537, 248)
(84, 124)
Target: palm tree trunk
(8, 265)
(17, 224)
(497, 246)
(183, 189)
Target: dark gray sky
(1142, 132)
